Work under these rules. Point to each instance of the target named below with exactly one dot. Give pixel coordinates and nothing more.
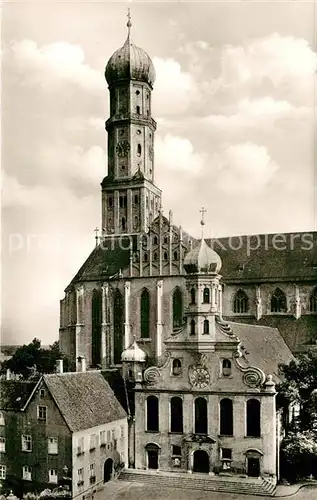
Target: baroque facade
(199, 352)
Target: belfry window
(206, 327)
(177, 308)
(123, 223)
(139, 149)
(138, 110)
(253, 418)
(136, 221)
(313, 301)
(145, 314)
(226, 417)
(193, 296)
(278, 301)
(206, 296)
(175, 255)
(192, 327)
(201, 417)
(165, 256)
(110, 202)
(136, 199)
(152, 414)
(176, 407)
(240, 302)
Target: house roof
(84, 399)
(285, 256)
(263, 347)
(15, 393)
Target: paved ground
(121, 490)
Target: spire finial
(202, 222)
(129, 24)
(96, 231)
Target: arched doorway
(107, 470)
(201, 461)
(152, 450)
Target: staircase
(226, 484)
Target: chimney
(59, 366)
(81, 364)
(8, 374)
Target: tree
(32, 360)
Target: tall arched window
(206, 296)
(192, 327)
(176, 414)
(96, 308)
(206, 327)
(145, 314)
(253, 418)
(278, 301)
(123, 223)
(226, 417)
(240, 302)
(152, 414)
(177, 308)
(201, 416)
(118, 326)
(139, 150)
(193, 296)
(138, 110)
(313, 301)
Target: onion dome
(202, 259)
(133, 354)
(130, 63)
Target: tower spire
(129, 23)
(202, 222)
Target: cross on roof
(129, 23)
(202, 222)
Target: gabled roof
(263, 347)
(84, 399)
(14, 394)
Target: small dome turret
(202, 259)
(133, 354)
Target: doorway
(253, 467)
(108, 470)
(201, 461)
(152, 456)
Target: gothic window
(278, 301)
(145, 257)
(206, 327)
(176, 407)
(152, 414)
(226, 417)
(176, 367)
(155, 240)
(313, 301)
(192, 327)
(138, 110)
(253, 418)
(155, 256)
(175, 255)
(118, 323)
(96, 308)
(226, 367)
(136, 221)
(139, 150)
(206, 296)
(193, 296)
(177, 308)
(201, 418)
(240, 302)
(110, 201)
(123, 223)
(145, 314)
(165, 256)
(121, 201)
(165, 240)
(136, 199)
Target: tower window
(110, 202)
(138, 132)
(193, 296)
(121, 201)
(206, 296)
(145, 314)
(145, 257)
(139, 150)
(123, 224)
(155, 240)
(165, 256)
(155, 256)
(122, 167)
(206, 327)
(136, 221)
(138, 110)
(176, 367)
(165, 240)
(192, 327)
(226, 368)
(175, 255)
(137, 92)
(136, 199)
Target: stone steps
(229, 484)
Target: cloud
(177, 154)
(54, 64)
(244, 168)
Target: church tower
(130, 199)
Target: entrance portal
(108, 470)
(253, 467)
(152, 455)
(201, 461)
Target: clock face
(199, 376)
(122, 148)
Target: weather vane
(202, 222)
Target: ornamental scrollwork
(151, 375)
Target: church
(196, 328)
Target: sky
(234, 103)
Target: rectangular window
(26, 443)
(176, 450)
(52, 476)
(27, 473)
(42, 413)
(53, 445)
(102, 438)
(108, 436)
(2, 444)
(92, 473)
(3, 471)
(92, 441)
(80, 477)
(80, 446)
(226, 453)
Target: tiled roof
(265, 347)
(278, 256)
(15, 393)
(84, 399)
